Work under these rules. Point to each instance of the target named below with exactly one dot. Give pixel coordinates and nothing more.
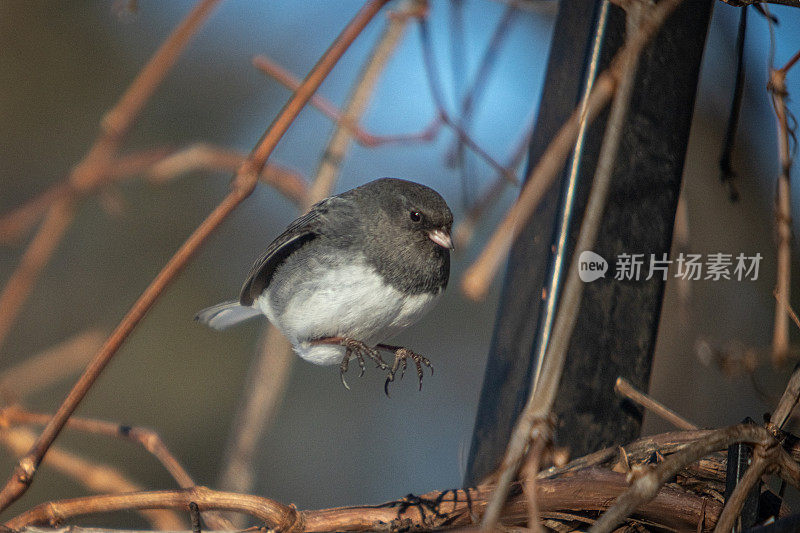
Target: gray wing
(299, 232)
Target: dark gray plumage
(357, 268)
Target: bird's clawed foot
(401, 356)
(354, 348)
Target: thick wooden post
(616, 329)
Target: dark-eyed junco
(356, 269)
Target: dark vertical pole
(616, 328)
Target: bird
(355, 270)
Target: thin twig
(159, 165)
(623, 387)
(147, 439)
(330, 110)
(243, 184)
(788, 401)
(478, 277)
(18, 221)
(733, 506)
(476, 88)
(544, 390)
(530, 474)
(41, 248)
(95, 477)
(202, 156)
(464, 230)
(358, 101)
(434, 83)
(789, 64)
(783, 219)
(791, 312)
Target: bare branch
(647, 485)
(95, 477)
(330, 110)
(783, 219)
(203, 156)
(243, 184)
(623, 387)
(147, 439)
(19, 285)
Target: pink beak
(441, 237)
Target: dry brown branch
(783, 219)
(476, 280)
(544, 389)
(330, 110)
(22, 280)
(587, 490)
(464, 230)
(15, 223)
(729, 520)
(644, 487)
(159, 165)
(203, 156)
(789, 64)
(624, 388)
(475, 91)
(432, 74)
(50, 366)
(267, 511)
(768, 455)
(95, 477)
(788, 401)
(789, 311)
(243, 184)
(21, 219)
(665, 443)
(530, 473)
(358, 100)
(60, 203)
(146, 438)
(95, 165)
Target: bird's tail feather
(225, 314)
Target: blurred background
(63, 64)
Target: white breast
(350, 301)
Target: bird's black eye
(415, 216)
